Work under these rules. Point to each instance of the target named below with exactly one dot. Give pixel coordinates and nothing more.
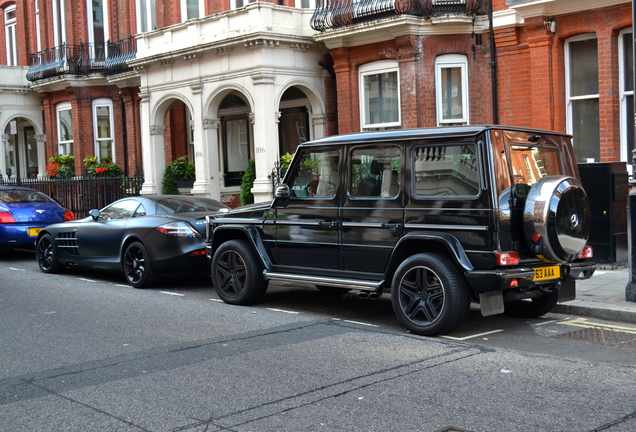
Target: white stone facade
(255, 53)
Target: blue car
(23, 214)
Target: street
(84, 351)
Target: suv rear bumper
(501, 279)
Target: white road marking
(16, 269)
(361, 323)
(172, 294)
(472, 336)
(283, 311)
(544, 323)
(86, 280)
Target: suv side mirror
(282, 194)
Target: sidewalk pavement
(602, 296)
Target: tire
(531, 308)
(45, 254)
(137, 267)
(428, 295)
(237, 273)
(557, 213)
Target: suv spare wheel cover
(557, 218)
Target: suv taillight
(507, 258)
(587, 252)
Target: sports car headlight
(179, 229)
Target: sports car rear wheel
(137, 268)
(45, 254)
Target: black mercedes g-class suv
(438, 217)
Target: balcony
(104, 58)
(332, 14)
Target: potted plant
(105, 168)
(61, 166)
(179, 174)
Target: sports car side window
(141, 211)
(120, 209)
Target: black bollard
(630, 289)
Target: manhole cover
(600, 336)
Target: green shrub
(248, 183)
(169, 182)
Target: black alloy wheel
(428, 295)
(45, 254)
(137, 268)
(237, 274)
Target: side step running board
(323, 281)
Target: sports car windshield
(23, 196)
(181, 205)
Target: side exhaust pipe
(370, 295)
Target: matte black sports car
(145, 237)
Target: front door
(307, 228)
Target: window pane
(452, 93)
(65, 126)
(585, 127)
(317, 176)
(375, 172)
(628, 63)
(103, 122)
(446, 170)
(583, 67)
(381, 98)
(629, 121)
(193, 9)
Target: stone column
(40, 141)
(211, 164)
(265, 127)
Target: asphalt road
(85, 352)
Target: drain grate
(600, 336)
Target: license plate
(545, 273)
(33, 232)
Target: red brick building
(143, 82)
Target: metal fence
(81, 194)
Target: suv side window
(317, 175)
(449, 170)
(375, 172)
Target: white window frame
(38, 35)
(95, 50)
(97, 103)
(376, 68)
(624, 94)
(237, 4)
(150, 22)
(448, 61)
(11, 35)
(64, 146)
(568, 96)
(184, 9)
(311, 4)
(59, 23)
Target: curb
(606, 311)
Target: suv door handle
(393, 226)
(328, 224)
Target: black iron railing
(339, 13)
(108, 58)
(81, 194)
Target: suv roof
(422, 133)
